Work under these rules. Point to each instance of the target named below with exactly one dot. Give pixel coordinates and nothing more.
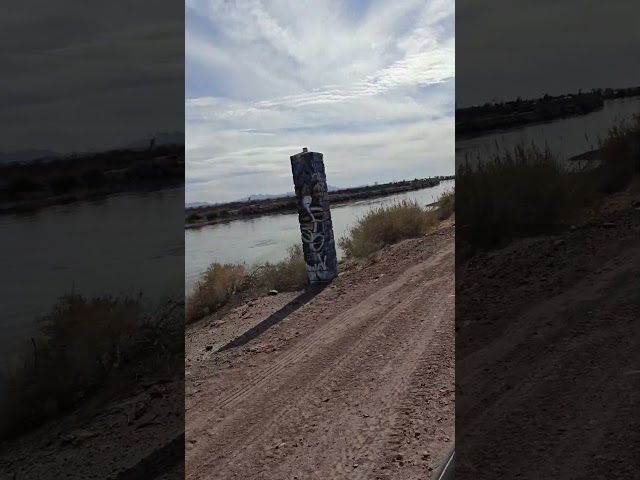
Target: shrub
(218, 284)
(142, 171)
(64, 184)
(82, 341)
(521, 192)
(222, 284)
(289, 274)
(194, 218)
(94, 178)
(446, 204)
(23, 185)
(386, 225)
(620, 155)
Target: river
(113, 247)
(268, 238)
(566, 137)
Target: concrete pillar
(316, 229)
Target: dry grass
(222, 284)
(81, 343)
(522, 192)
(217, 285)
(386, 225)
(446, 204)
(528, 191)
(620, 155)
(288, 275)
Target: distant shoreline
(198, 217)
(36, 185)
(477, 121)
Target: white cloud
(369, 84)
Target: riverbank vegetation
(499, 115)
(82, 345)
(389, 224)
(221, 285)
(39, 183)
(528, 191)
(197, 217)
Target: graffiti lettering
(314, 215)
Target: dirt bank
(133, 427)
(548, 349)
(358, 382)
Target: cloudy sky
(89, 75)
(527, 48)
(369, 83)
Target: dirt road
(548, 354)
(358, 383)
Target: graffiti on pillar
(314, 215)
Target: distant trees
(64, 184)
(94, 178)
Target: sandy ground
(107, 437)
(548, 353)
(356, 383)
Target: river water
(565, 137)
(118, 246)
(268, 238)
(113, 247)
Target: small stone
(281, 445)
(355, 465)
(273, 292)
(208, 348)
(608, 225)
(398, 457)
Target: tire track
(335, 358)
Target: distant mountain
(26, 155)
(266, 196)
(196, 204)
